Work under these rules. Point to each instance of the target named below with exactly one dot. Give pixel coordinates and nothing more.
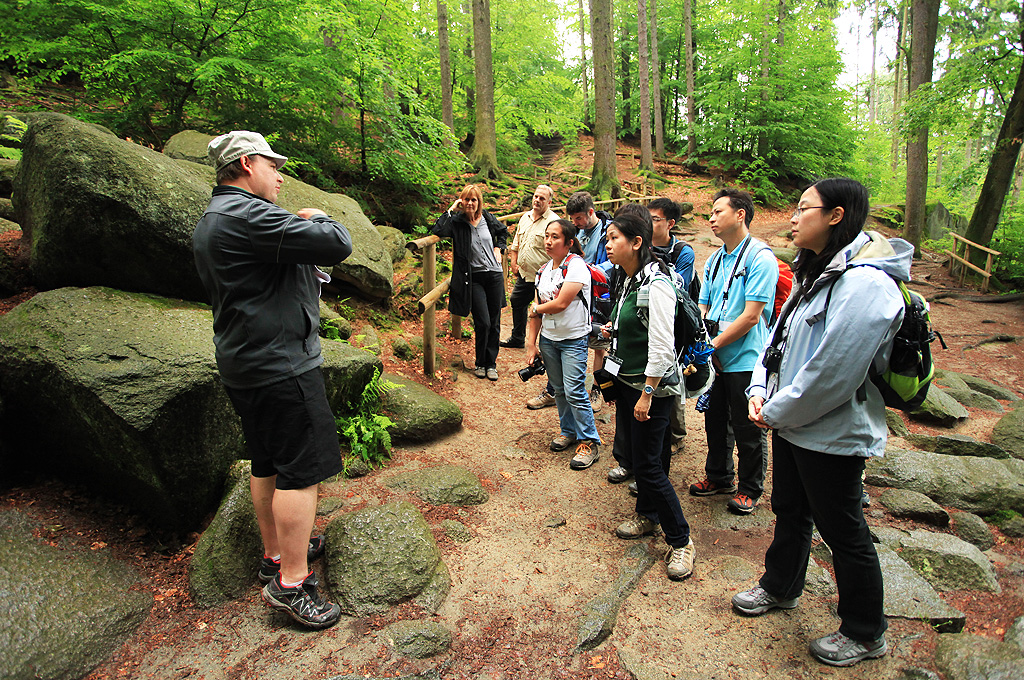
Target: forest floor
(519, 586)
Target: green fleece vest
(631, 342)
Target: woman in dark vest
(478, 241)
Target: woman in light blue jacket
(812, 388)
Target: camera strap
(728, 282)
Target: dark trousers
(522, 295)
(487, 294)
(818, 489)
(727, 424)
(648, 447)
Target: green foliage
(1009, 240)
(365, 432)
(328, 330)
(759, 179)
(8, 152)
(383, 320)
(1001, 516)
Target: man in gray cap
(256, 261)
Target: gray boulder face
(973, 657)
(948, 563)
(394, 242)
(418, 639)
(908, 595)
(444, 485)
(419, 414)
(8, 168)
(956, 445)
(818, 580)
(8, 216)
(189, 145)
(979, 485)
(600, 614)
(102, 211)
(972, 399)
(119, 391)
(980, 385)
(1015, 634)
(1009, 433)
(940, 408)
(227, 557)
(973, 529)
(909, 504)
(895, 422)
(65, 610)
(951, 379)
(380, 556)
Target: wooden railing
(962, 263)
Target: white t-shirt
(574, 321)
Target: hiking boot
(632, 489)
(636, 526)
(680, 561)
(513, 344)
(561, 442)
(492, 374)
(269, 568)
(757, 601)
(586, 455)
(619, 474)
(480, 372)
(542, 400)
(706, 487)
(596, 399)
(742, 504)
(838, 650)
(304, 603)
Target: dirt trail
(519, 586)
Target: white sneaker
(680, 561)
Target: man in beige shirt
(527, 255)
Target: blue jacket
(826, 356)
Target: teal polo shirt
(755, 279)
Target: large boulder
(65, 610)
(907, 504)
(909, 596)
(940, 408)
(955, 445)
(947, 562)
(189, 145)
(1009, 433)
(227, 556)
(974, 657)
(103, 211)
(119, 391)
(939, 221)
(420, 415)
(442, 485)
(380, 556)
(979, 485)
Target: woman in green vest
(641, 357)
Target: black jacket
(256, 260)
(456, 226)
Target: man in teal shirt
(739, 280)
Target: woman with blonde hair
(478, 240)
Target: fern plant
(365, 432)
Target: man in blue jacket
(256, 261)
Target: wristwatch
(648, 390)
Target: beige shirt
(529, 243)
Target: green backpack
(904, 382)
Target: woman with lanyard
(811, 388)
(478, 239)
(641, 356)
(561, 317)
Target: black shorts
(290, 430)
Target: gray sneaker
(480, 372)
(561, 442)
(636, 526)
(492, 374)
(632, 488)
(542, 400)
(680, 561)
(596, 399)
(757, 601)
(586, 455)
(838, 650)
(619, 474)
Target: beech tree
(925, 23)
(604, 181)
(643, 60)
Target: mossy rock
(420, 415)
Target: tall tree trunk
(691, 108)
(484, 154)
(604, 181)
(659, 123)
(1018, 179)
(643, 64)
(1000, 170)
(624, 58)
(583, 53)
(763, 122)
(468, 51)
(873, 100)
(922, 49)
(897, 91)
(447, 116)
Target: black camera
(606, 383)
(772, 360)
(536, 368)
(712, 327)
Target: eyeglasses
(659, 219)
(799, 211)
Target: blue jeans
(566, 363)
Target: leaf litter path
(519, 585)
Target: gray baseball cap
(237, 143)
